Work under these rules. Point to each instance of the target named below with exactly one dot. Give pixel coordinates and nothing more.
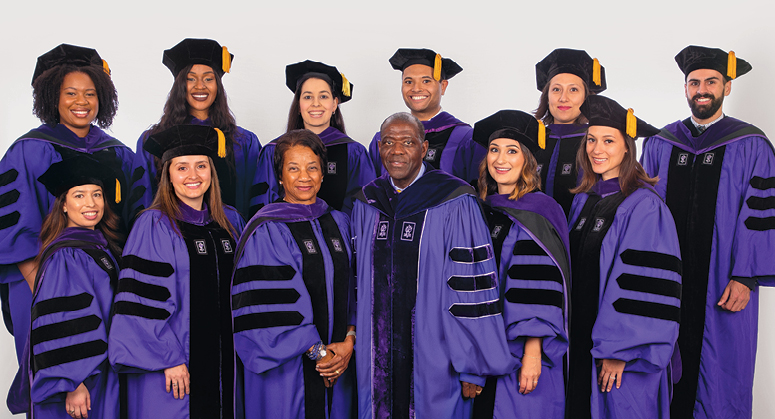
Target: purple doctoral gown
(24, 202)
(349, 168)
(235, 176)
(720, 187)
(625, 301)
(451, 148)
(530, 239)
(293, 287)
(172, 307)
(557, 163)
(428, 309)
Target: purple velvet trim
(191, 120)
(284, 211)
(332, 136)
(441, 122)
(562, 130)
(608, 187)
(91, 142)
(192, 216)
(721, 129)
(539, 203)
(82, 234)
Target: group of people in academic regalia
(526, 267)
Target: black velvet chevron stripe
(535, 296)
(143, 289)
(9, 220)
(8, 177)
(470, 255)
(648, 309)
(472, 283)
(9, 198)
(64, 329)
(651, 260)
(259, 189)
(266, 320)
(263, 273)
(60, 304)
(137, 193)
(757, 182)
(472, 311)
(138, 174)
(650, 285)
(754, 203)
(129, 308)
(69, 354)
(760, 224)
(265, 296)
(529, 248)
(536, 273)
(148, 267)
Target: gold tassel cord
(731, 65)
(118, 192)
(105, 67)
(226, 60)
(345, 86)
(437, 68)
(596, 77)
(221, 143)
(632, 124)
(541, 135)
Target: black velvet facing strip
(129, 308)
(137, 193)
(9, 220)
(8, 177)
(563, 183)
(138, 174)
(757, 182)
(334, 189)
(143, 289)
(651, 260)
(756, 203)
(148, 267)
(342, 270)
(470, 255)
(263, 273)
(648, 309)
(760, 224)
(9, 198)
(650, 285)
(473, 311)
(535, 296)
(64, 329)
(536, 273)
(266, 320)
(528, 248)
(61, 304)
(259, 189)
(472, 283)
(264, 297)
(500, 225)
(69, 354)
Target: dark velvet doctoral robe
(720, 187)
(349, 168)
(235, 173)
(625, 301)
(557, 163)
(530, 239)
(24, 202)
(293, 287)
(172, 307)
(451, 148)
(428, 309)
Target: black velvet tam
(183, 140)
(67, 54)
(196, 51)
(405, 57)
(694, 58)
(573, 61)
(516, 125)
(603, 111)
(295, 72)
(79, 170)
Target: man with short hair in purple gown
(428, 317)
(424, 79)
(717, 176)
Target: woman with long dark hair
(318, 90)
(530, 240)
(172, 322)
(198, 97)
(566, 77)
(626, 263)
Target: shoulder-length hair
(47, 88)
(631, 174)
(168, 202)
(295, 120)
(302, 137)
(542, 113)
(528, 181)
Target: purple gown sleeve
(265, 189)
(374, 155)
(468, 156)
(650, 158)
(142, 181)
(247, 149)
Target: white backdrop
(496, 43)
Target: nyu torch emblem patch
(407, 231)
(201, 247)
(566, 168)
(598, 224)
(581, 223)
(708, 159)
(226, 244)
(496, 231)
(337, 245)
(683, 158)
(310, 246)
(332, 168)
(106, 262)
(382, 232)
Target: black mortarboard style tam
(603, 111)
(694, 58)
(69, 54)
(516, 125)
(186, 140)
(573, 61)
(443, 68)
(198, 51)
(80, 170)
(295, 72)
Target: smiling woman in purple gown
(293, 300)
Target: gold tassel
(221, 143)
(118, 192)
(732, 65)
(541, 135)
(632, 124)
(437, 68)
(596, 72)
(226, 60)
(105, 67)
(345, 86)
